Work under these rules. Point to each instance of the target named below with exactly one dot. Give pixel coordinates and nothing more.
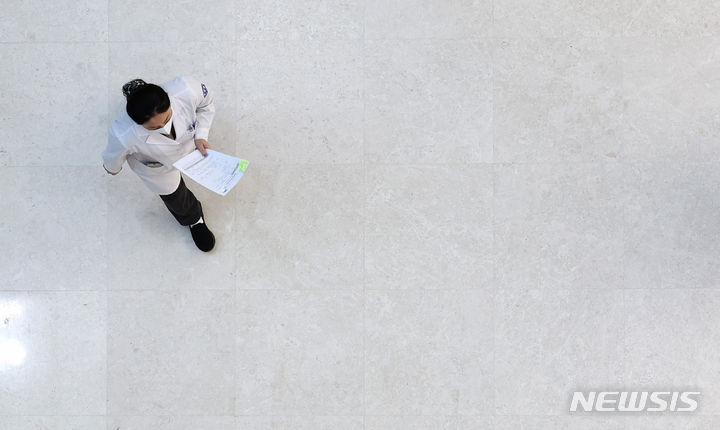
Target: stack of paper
(217, 171)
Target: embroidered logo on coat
(204, 88)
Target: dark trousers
(183, 204)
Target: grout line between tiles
(428, 164)
(67, 42)
(107, 219)
(374, 415)
(235, 352)
(386, 290)
(493, 171)
(363, 215)
(235, 233)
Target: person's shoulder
(179, 84)
(123, 128)
(188, 80)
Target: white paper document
(217, 172)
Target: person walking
(162, 124)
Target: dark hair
(144, 100)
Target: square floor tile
(672, 239)
(166, 21)
(669, 86)
(428, 101)
(150, 250)
(300, 101)
(428, 19)
(171, 422)
(57, 21)
(379, 422)
(300, 19)
(299, 353)
(171, 353)
(566, 20)
(595, 422)
(52, 228)
(677, 421)
(300, 226)
(560, 225)
(52, 357)
(52, 423)
(300, 423)
(674, 19)
(551, 343)
(56, 113)
(428, 352)
(556, 99)
(670, 343)
(429, 227)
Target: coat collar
(155, 138)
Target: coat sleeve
(204, 107)
(115, 154)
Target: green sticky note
(242, 165)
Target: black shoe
(203, 237)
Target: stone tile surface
(456, 214)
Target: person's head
(147, 104)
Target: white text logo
(635, 401)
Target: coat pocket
(142, 169)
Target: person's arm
(204, 107)
(110, 171)
(114, 155)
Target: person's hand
(109, 171)
(201, 145)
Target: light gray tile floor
(456, 214)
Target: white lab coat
(193, 111)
